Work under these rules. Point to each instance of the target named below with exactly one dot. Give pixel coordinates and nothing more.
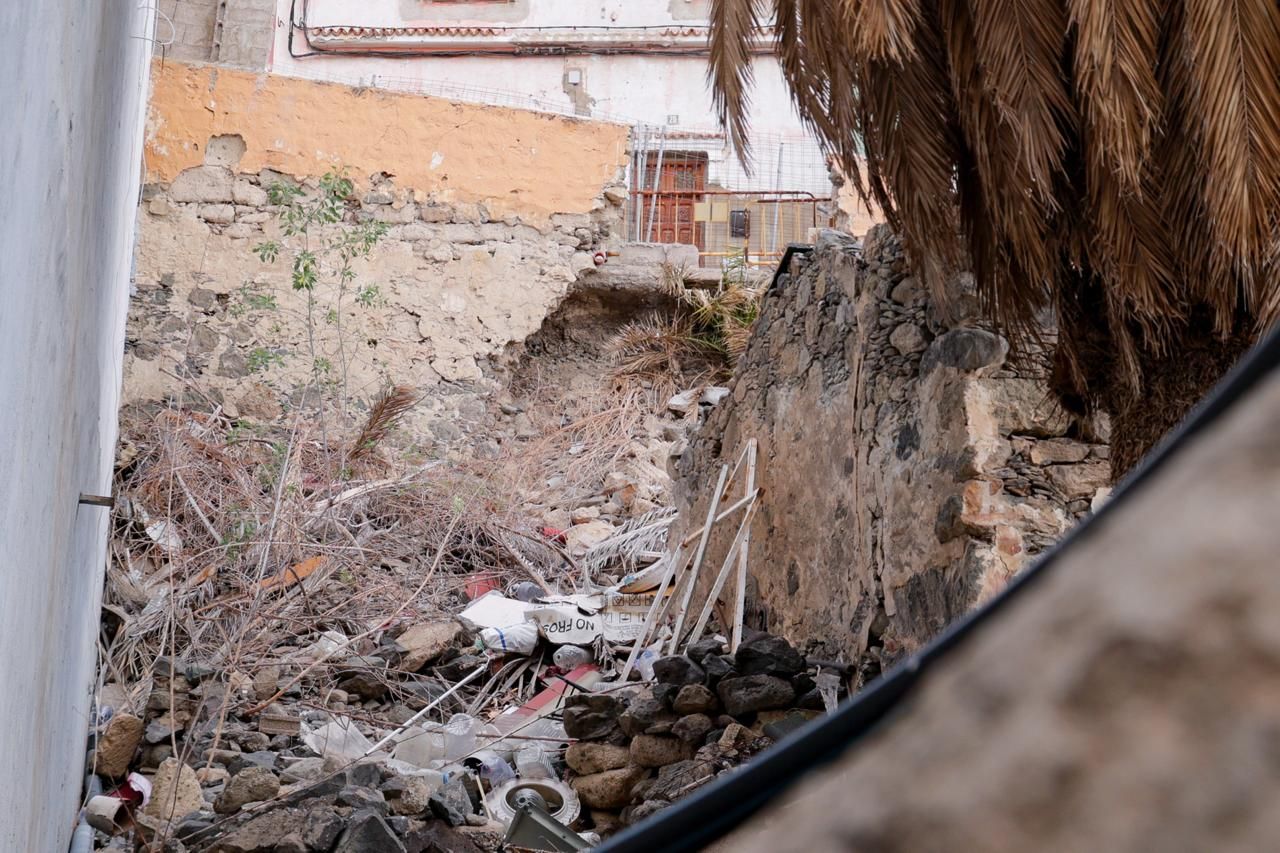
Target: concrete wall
(74, 77)
(648, 87)
(665, 91)
(238, 33)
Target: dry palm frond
(392, 405)
(658, 343)
(646, 533)
(1117, 161)
(883, 29)
(1233, 64)
(671, 279)
(707, 330)
(193, 546)
(733, 31)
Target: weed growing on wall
(323, 242)
(322, 246)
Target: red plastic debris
(480, 583)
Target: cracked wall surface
(910, 467)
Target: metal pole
(657, 180)
(637, 176)
(777, 207)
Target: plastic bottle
(532, 763)
(493, 769)
(516, 639)
(421, 745)
(460, 736)
(571, 657)
(828, 685)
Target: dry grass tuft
(392, 405)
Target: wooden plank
(278, 724)
(740, 594)
(677, 561)
(739, 539)
(740, 503)
(692, 579)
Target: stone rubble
(640, 748)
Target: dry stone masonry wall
(910, 466)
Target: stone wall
(453, 286)
(910, 467)
(1125, 701)
(493, 217)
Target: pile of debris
(638, 749)
(304, 651)
(582, 755)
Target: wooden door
(683, 178)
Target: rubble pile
(304, 652)
(637, 750)
(251, 766)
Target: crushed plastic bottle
(828, 685)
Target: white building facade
(641, 62)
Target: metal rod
(777, 210)
(418, 716)
(657, 182)
(637, 176)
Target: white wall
(645, 88)
(72, 79)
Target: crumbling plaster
(514, 161)
(457, 281)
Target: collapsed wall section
(910, 467)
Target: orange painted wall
(514, 161)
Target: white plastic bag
(518, 639)
(338, 738)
